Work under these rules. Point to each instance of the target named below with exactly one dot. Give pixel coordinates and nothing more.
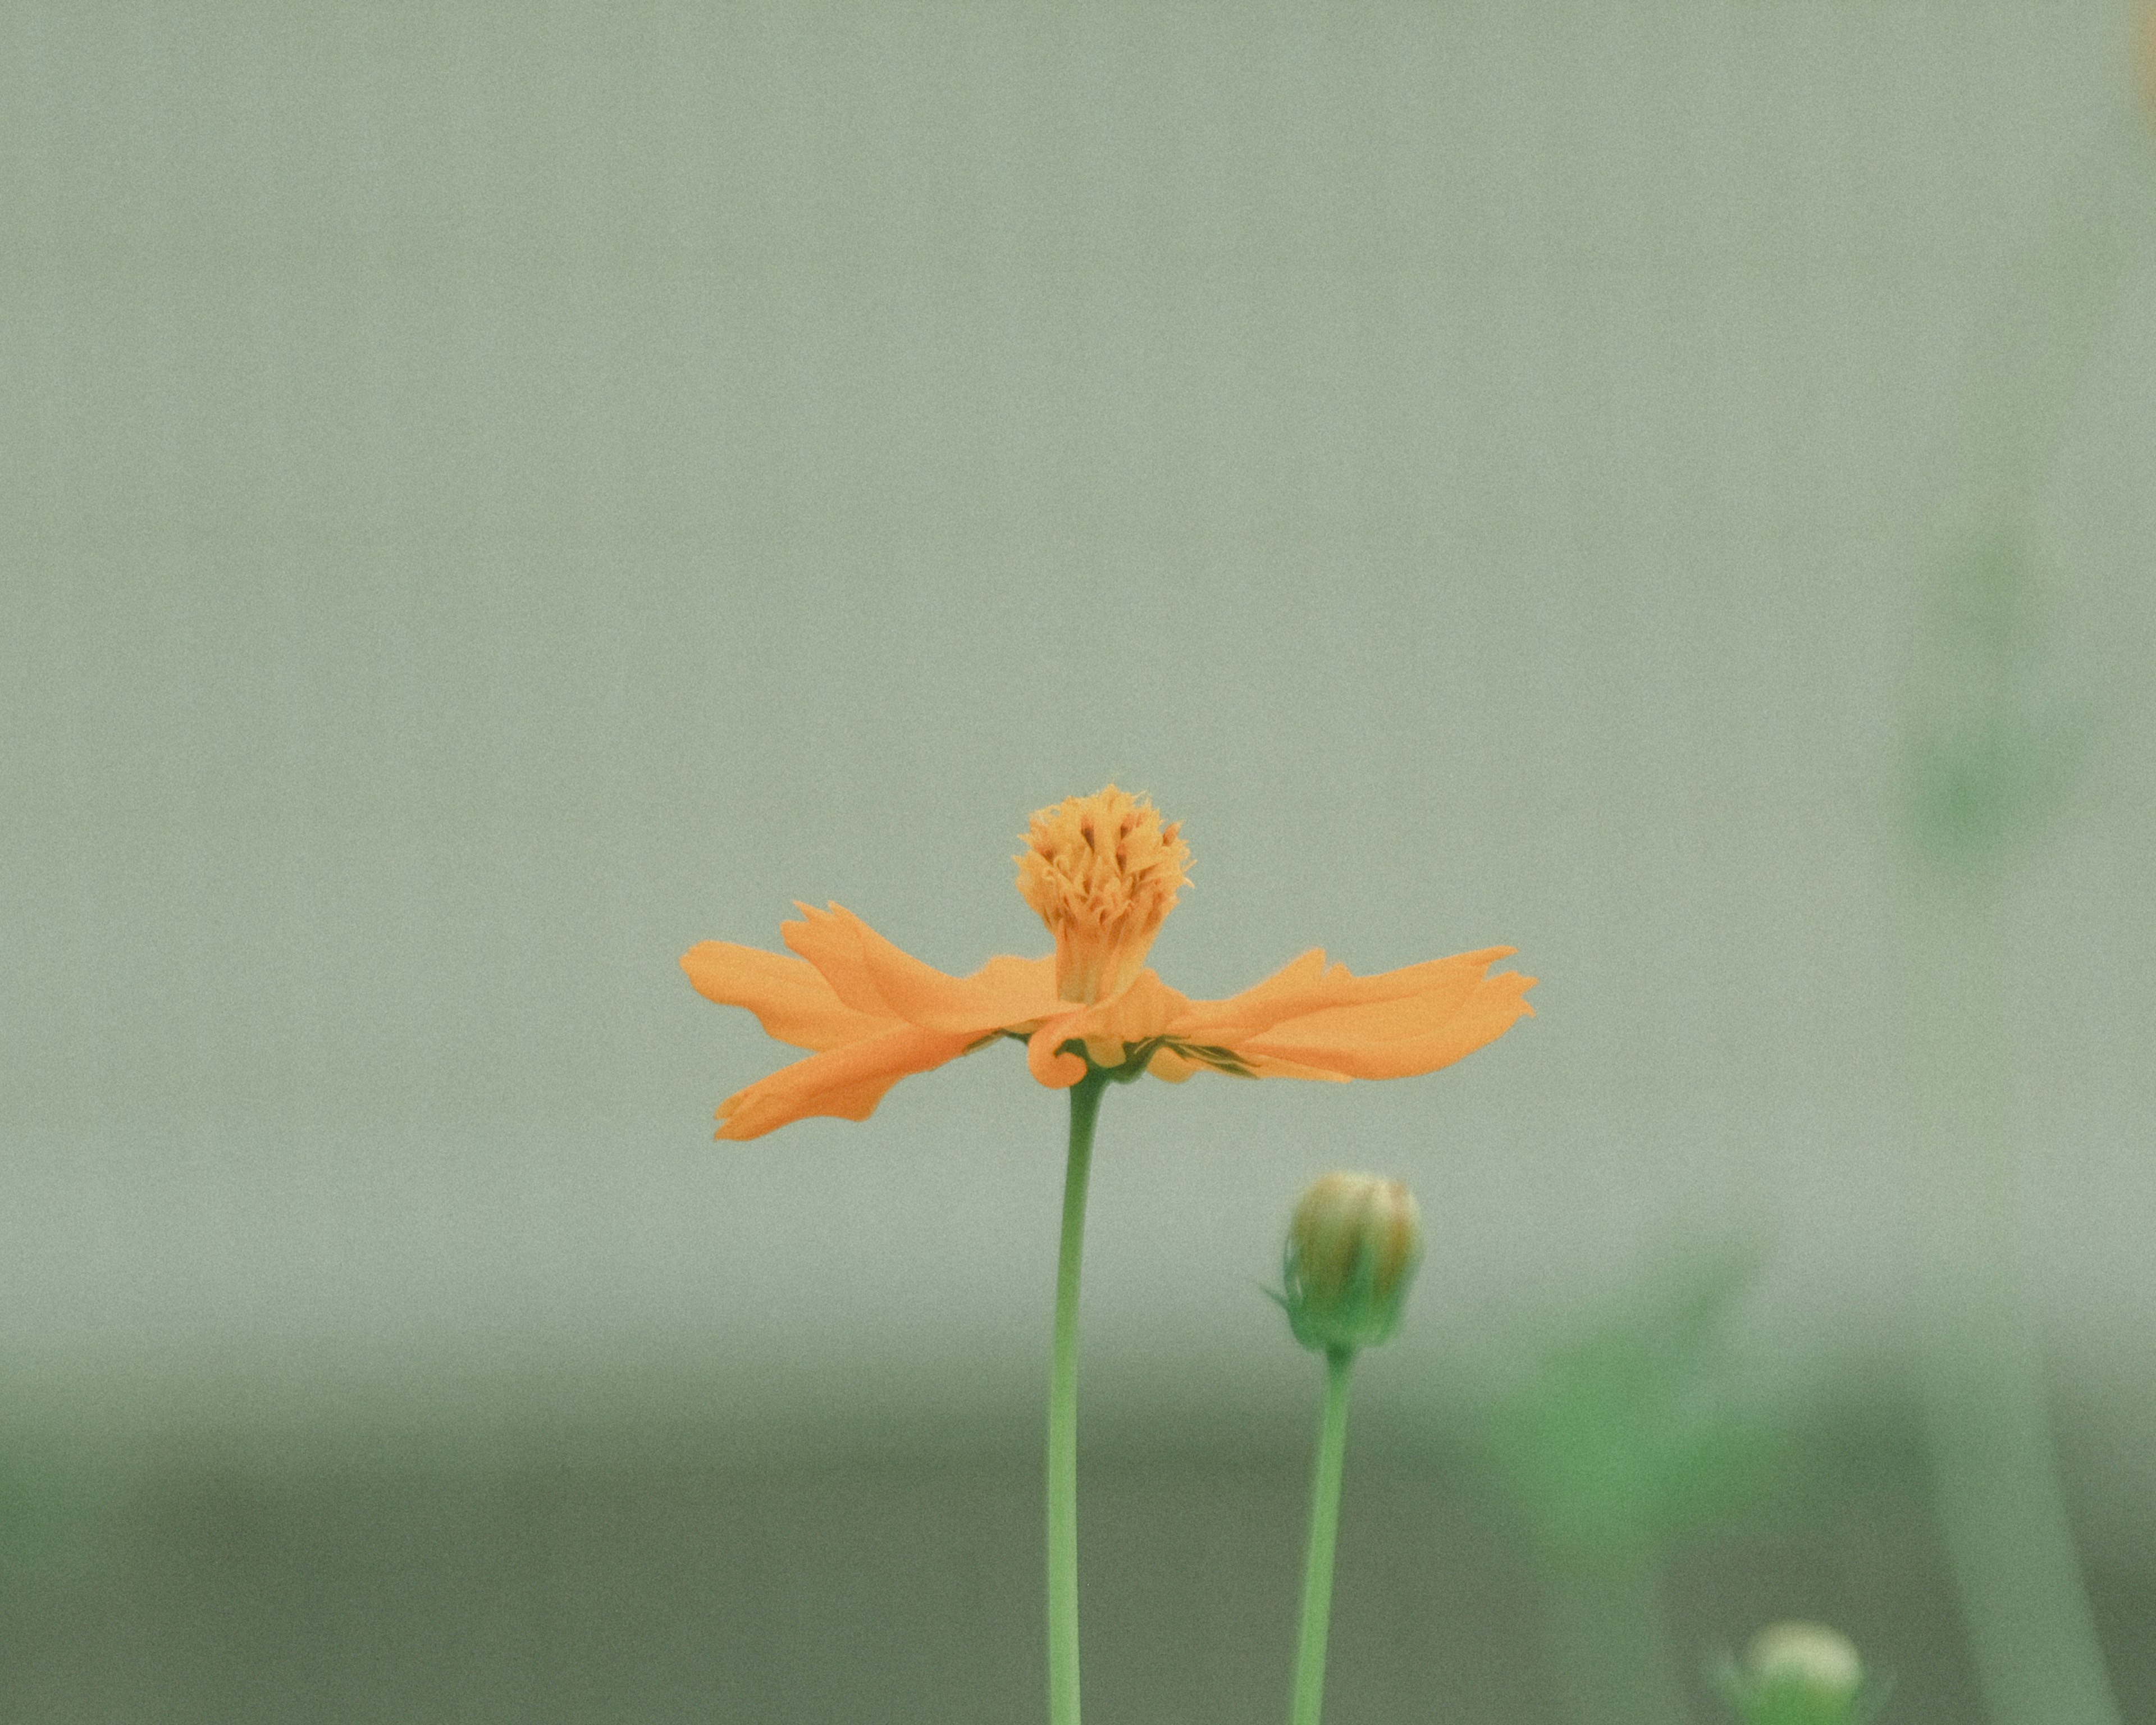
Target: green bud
(1798, 1674)
(1352, 1245)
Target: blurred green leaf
(1991, 747)
(1629, 1428)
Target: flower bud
(1798, 1674)
(1352, 1245)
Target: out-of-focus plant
(1989, 751)
(1992, 734)
(1629, 1432)
(1992, 743)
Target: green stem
(1063, 1413)
(1608, 1639)
(1324, 1531)
(2009, 1544)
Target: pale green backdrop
(491, 495)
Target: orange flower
(1103, 872)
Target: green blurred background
(495, 495)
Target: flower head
(1353, 1245)
(1102, 871)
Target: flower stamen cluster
(1102, 872)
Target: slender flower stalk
(1609, 1635)
(1353, 1244)
(1324, 1532)
(2009, 1542)
(1063, 1412)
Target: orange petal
(1145, 1008)
(1307, 985)
(871, 975)
(1383, 1020)
(1057, 1071)
(1400, 1039)
(1005, 992)
(1167, 1063)
(790, 998)
(830, 945)
(1255, 1007)
(845, 1082)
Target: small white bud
(1798, 1674)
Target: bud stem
(1063, 1413)
(2009, 1542)
(1324, 1529)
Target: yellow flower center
(1102, 872)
